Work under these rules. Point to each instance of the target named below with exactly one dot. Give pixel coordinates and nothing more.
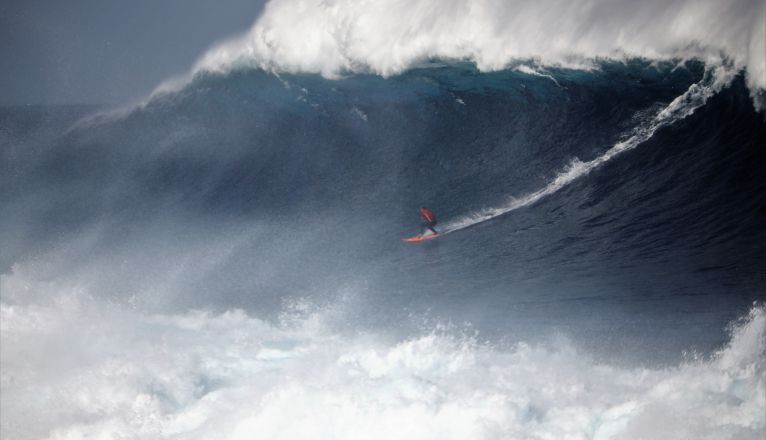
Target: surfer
(429, 219)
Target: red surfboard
(419, 238)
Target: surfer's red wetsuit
(429, 219)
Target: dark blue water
(250, 190)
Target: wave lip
(388, 37)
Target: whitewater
(203, 375)
(334, 38)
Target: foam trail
(530, 71)
(681, 107)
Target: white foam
(523, 68)
(389, 36)
(681, 107)
(77, 368)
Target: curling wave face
(247, 188)
(679, 108)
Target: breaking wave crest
(387, 37)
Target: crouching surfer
(429, 220)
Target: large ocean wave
(224, 261)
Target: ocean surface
(224, 260)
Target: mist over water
(225, 260)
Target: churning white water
(78, 368)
